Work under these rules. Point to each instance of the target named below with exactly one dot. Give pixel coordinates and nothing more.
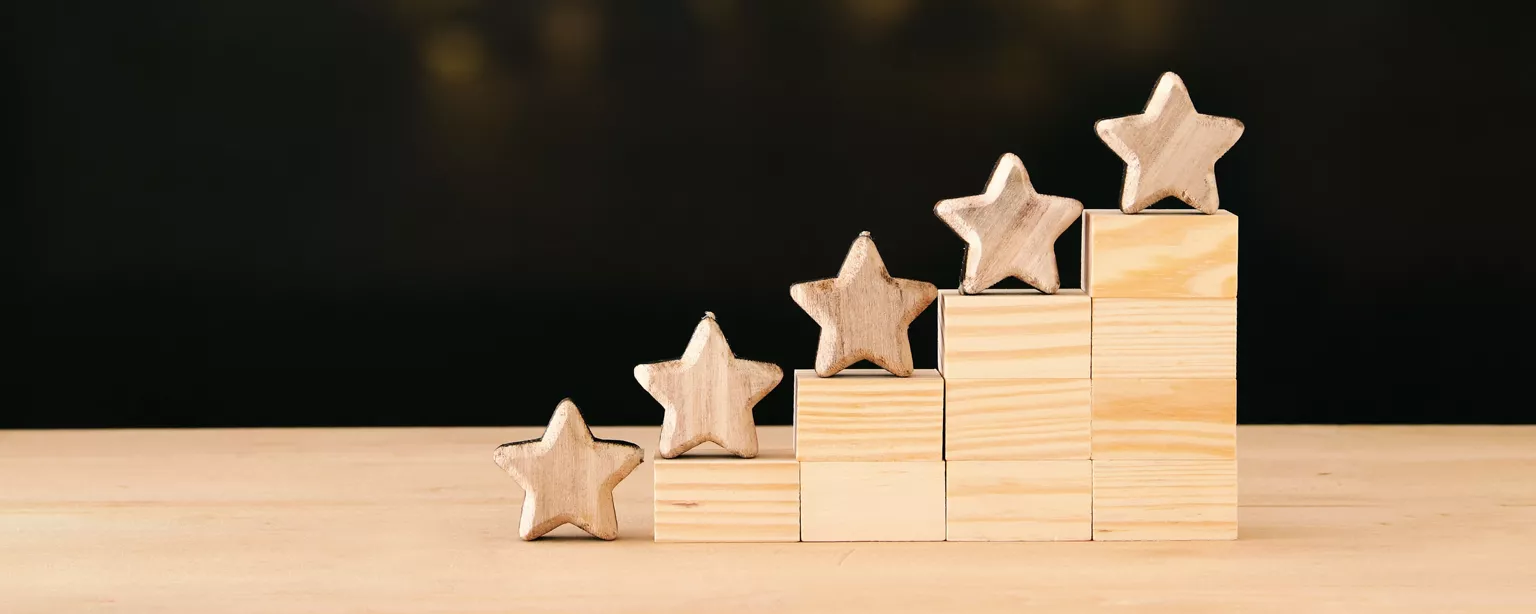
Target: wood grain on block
(1015, 333)
(881, 501)
(869, 415)
(1019, 500)
(1017, 419)
(1165, 338)
(721, 498)
(1164, 418)
(1164, 500)
(1159, 254)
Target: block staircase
(1102, 413)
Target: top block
(1159, 254)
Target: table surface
(1399, 519)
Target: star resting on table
(568, 476)
(1170, 149)
(864, 312)
(1010, 230)
(708, 394)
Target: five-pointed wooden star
(1170, 149)
(708, 394)
(864, 312)
(568, 476)
(1010, 230)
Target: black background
(452, 212)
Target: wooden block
(1159, 254)
(721, 498)
(1155, 500)
(1014, 334)
(1174, 419)
(1017, 419)
(1019, 500)
(872, 501)
(1165, 338)
(869, 415)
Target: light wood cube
(1164, 500)
(1015, 334)
(902, 501)
(1159, 254)
(1172, 419)
(1020, 500)
(1017, 419)
(869, 415)
(723, 498)
(1165, 338)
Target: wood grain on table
(1346, 519)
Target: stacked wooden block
(1017, 420)
(1164, 292)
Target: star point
(568, 476)
(1010, 230)
(1170, 149)
(708, 394)
(864, 312)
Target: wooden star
(1170, 149)
(568, 476)
(1010, 230)
(864, 312)
(708, 394)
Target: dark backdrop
(443, 212)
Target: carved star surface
(568, 476)
(864, 313)
(1010, 230)
(708, 394)
(1170, 149)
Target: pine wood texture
(1164, 419)
(568, 476)
(1019, 500)
(1357, 519)
(1159, 254)
(864, 313)
(708, 394)
(869, 415)
(1164, 500)
(1017, 419)
(1165, 338)
(1010, 229)
(1015, 333)
(1170, 149)
(882, 501)
(720, 498)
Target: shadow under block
(1165, 338)
(1159, 254)
(1170, 419)
(869, 415)
(878, 501)
(723, 498)
(1017, 419)
(1019, 500)
(1015, 334)
(1164, 500)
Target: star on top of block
(1010, 230)
(1170, 149)
(568, 476)
(708, 394)
(864, 313)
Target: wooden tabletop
(1345, 519)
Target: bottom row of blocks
(775, 498)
